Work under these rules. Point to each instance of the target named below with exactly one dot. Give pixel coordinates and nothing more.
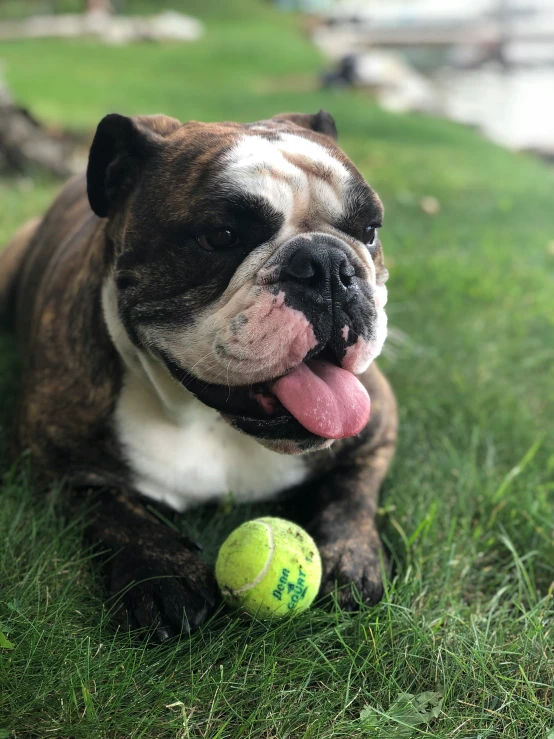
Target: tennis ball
(269, 568)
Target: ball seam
(263, 572)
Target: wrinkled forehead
(288, 170)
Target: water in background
(507, 92)
(514, 106)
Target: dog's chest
(196, 457)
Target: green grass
(467, 510)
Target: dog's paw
(171, 590)
(353, 566)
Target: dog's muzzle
(320, 268)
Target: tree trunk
(103, 6)
(26, 146)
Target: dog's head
(247, 261)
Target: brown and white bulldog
(200, 315)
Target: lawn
(467, 511)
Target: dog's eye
(223, 239)
(370, 234)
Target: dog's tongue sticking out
(327, 400)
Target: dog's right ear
(120, 147)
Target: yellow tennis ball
(269, 567)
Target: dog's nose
(319, 267)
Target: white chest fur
(193, 456)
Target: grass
(467, 510)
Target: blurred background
(485, 63)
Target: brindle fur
(50, 284)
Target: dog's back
(50, 295)
(24, 263)
(12, 259)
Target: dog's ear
(120, 146)
(322, 122)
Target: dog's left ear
(322, 122)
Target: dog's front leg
(154, 578)
(344, 504)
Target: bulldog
(200, 315)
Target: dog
(199, 315)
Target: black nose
(320, 267)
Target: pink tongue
(325, 399)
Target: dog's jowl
(200, 314)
